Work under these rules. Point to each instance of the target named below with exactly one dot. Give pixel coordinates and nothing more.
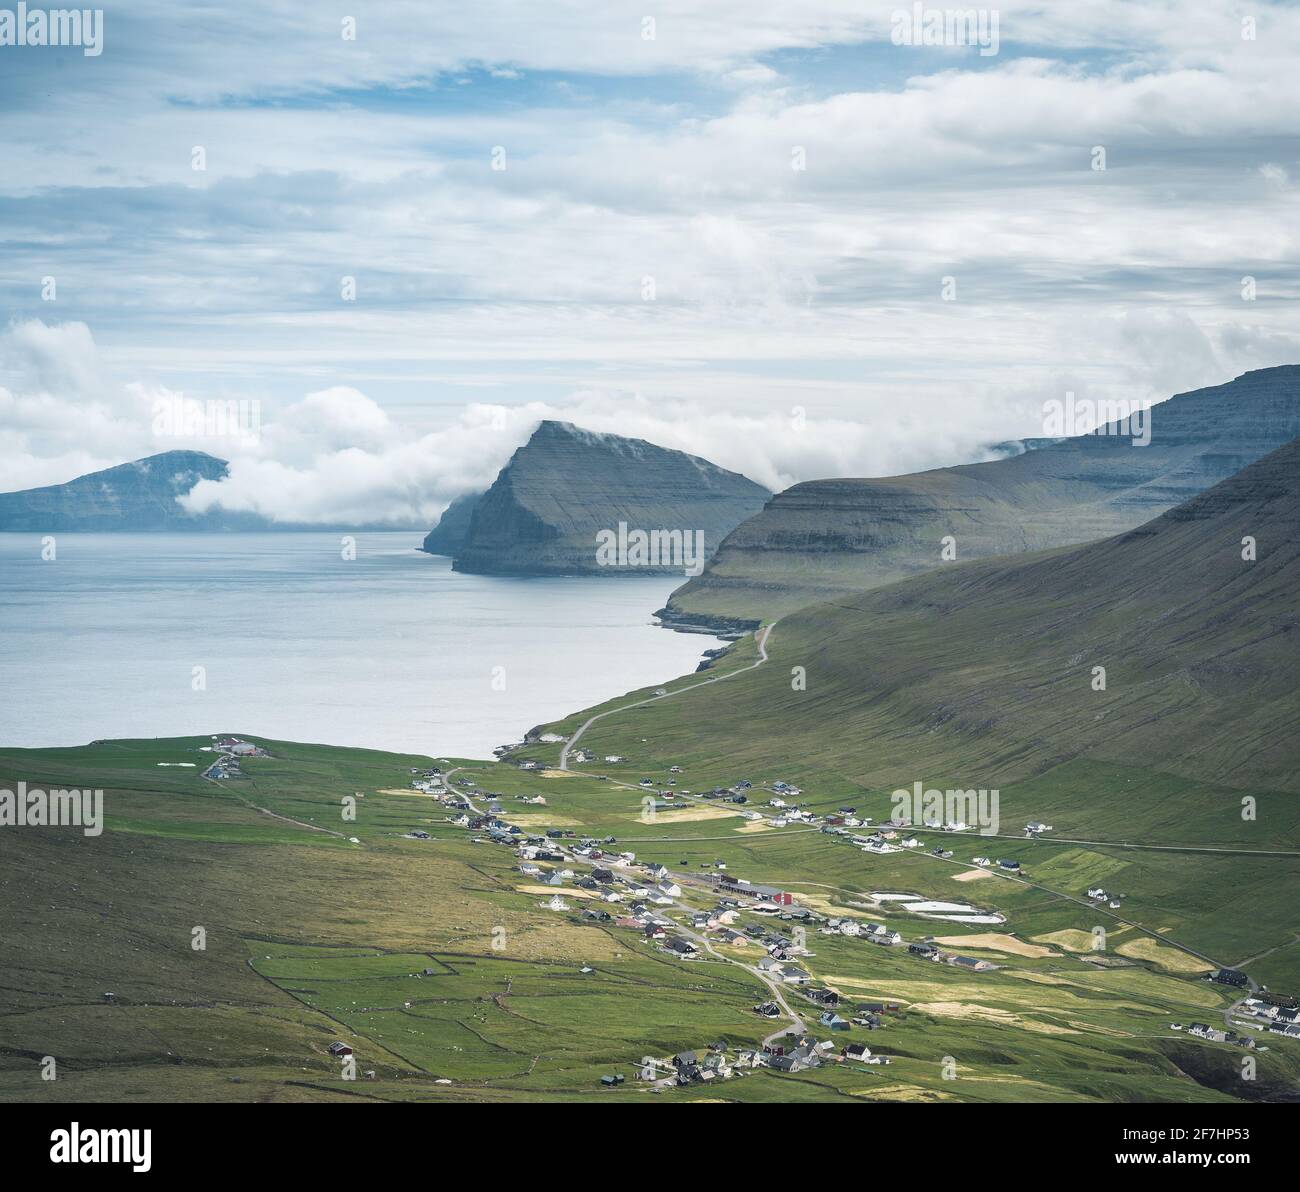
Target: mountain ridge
(838, 535)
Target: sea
(299, 636)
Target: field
(312, 937)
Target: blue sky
(486, 298)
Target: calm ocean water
(392, 650)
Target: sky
(772, 234)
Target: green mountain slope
(982, 673)
(826, 537)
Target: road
(796, 1024)
(760, 639)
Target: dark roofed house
(970, 962)
(1230, 976)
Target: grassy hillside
(982, 676)
(390, 944)
(984, 672)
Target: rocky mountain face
(824, 538)
(137, 496)
(566, 486)
(448, 536)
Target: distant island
(566, 485)
(142, 496)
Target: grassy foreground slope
(823, 539)
(309, 938)
(435, 961)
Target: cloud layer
(699, 230)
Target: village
(690, 915)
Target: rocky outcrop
(821, 539)
(565, 486)
(448, 536)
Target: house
(803, 1057)
(1201, 1031)
(833, 1021)
(555, 903)
(338, 1049)
(611, 1081)
(1228, 976)
(1034, 827)
(970, 962)
(927, 951)
(881, 934)
(768, 1010)
(1012, 866)
(682, 947)
(855, 1051)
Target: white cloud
(632, 159)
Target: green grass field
(312, 938)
